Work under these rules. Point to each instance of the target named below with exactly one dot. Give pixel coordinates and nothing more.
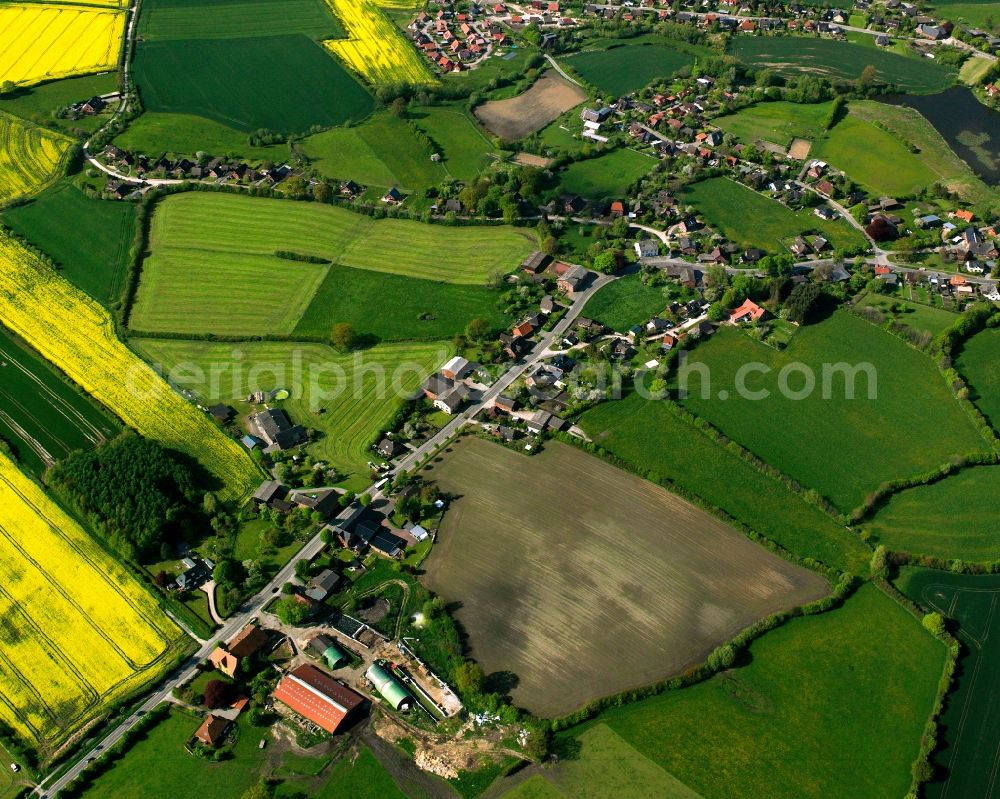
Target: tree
(258, 791)
(365, 500)
(322, 192)
(7, 87)
(226, 572)
(469, 678)
(802, 301)
(398, 107)
(934, 624)
(606, 262)
(717, 311)
(140, 495)
(291, 612)
(869, 76)
(162, 579)
(217, 694)
(302, 569)
(477, 329)
(343, 336)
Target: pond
(970, 128)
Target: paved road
(562, 71)
(537, 353)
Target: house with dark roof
(276, 430)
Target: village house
(647, 248)
(212, 731)
(276, 430)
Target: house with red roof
(749, 311)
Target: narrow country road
(503, 383)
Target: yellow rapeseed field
(375, 48)
(29, 157)
(40, 42)
(76, 334)
(77, 631)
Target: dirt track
(582, 580)
(520, 116)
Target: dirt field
(799, 149)
(527, 159)
(517, 117)
(583, 580)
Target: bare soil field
(527, 159)
(520, 116)
(583, 580)
(799, 149)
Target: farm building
(276, 430)
(247, 642)
(456, 368)
(389, 687)
(325, 647)
(318, 697)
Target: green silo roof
(390, 688)
(334, 656)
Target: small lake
(972, 129)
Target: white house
(647, 248)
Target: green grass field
(364, 778)
(465, 148)
(88, 239)
(777, 122)
(625, 303)
(397, 308)
(873, 158)
(382, 151)
(160, 756)
(250, 83)
(218, 19)
(605, 759)
(751, 220)
(829, 705)
(976, 13)
(186, 134)
(795, 55)
(207, 273)
(38, 102)
(204, 222)
(952, 518)
(936, 155)
(912, 314)
(841, 447)
(42, 416)
(967, 760)
(620, 66)
(648, 435)
(977, 363)
(339, 395)
(607, 176)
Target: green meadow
(952, 518)
(825, 705)
(842, 447)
